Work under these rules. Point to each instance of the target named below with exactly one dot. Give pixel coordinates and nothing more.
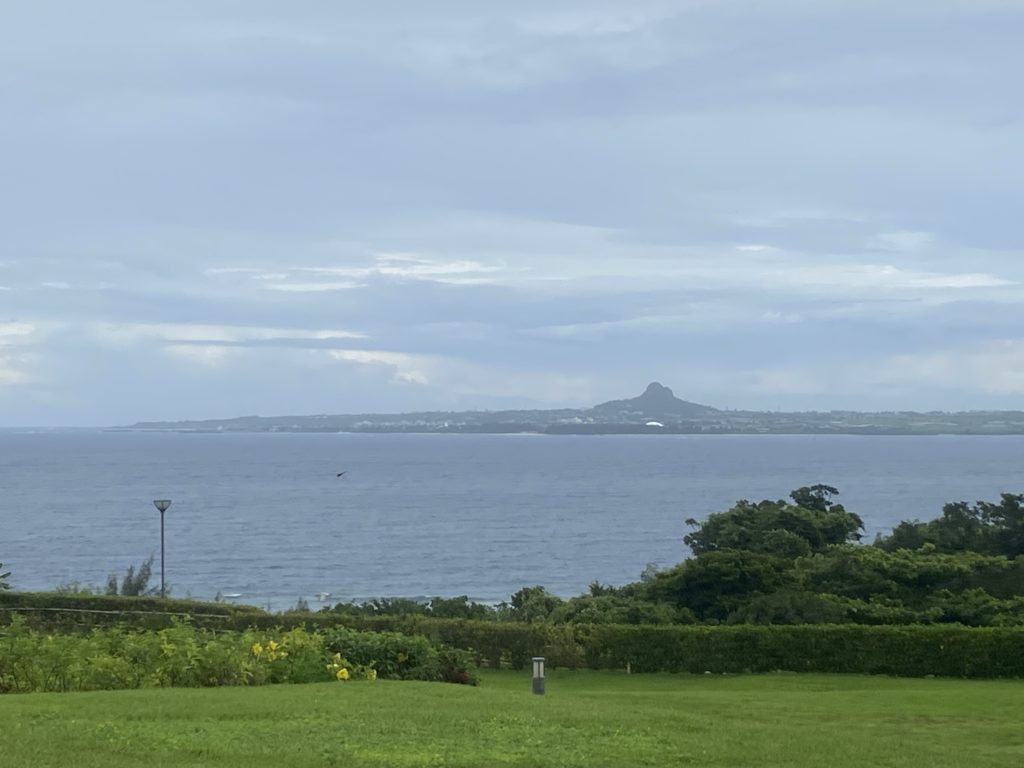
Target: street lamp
(162, 505)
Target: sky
(213, 209)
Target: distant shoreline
(536, 433)
(657, 411)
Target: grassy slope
(586, 719)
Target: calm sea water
(265, 516)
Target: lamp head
(162, 504)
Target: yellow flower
(257, 649)
(272, 646)
(337, 658)
(342, 674)
(371, 674)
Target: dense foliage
(184, 656)
(812, 523)
(797, 563)
(994, 529)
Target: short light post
(162, 505)
(538, 675)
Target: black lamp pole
(162, 505)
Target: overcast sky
(212, 209)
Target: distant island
(656, 411)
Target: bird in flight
(340, 474)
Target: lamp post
(162, 505)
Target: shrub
(402, 656)
(183, 656)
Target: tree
(817, 497)
(1005, 521)
(811, 523)
(789, 607)
(135, 582)
(714, 584)
(992, 528)
(908, 576)
(615, 609)
(533, 603)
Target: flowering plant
(343, 669)
(295, 656)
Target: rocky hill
(657, 403)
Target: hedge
(63, 612)
(904, 651)
(907, 651)
(947, 650)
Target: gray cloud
(213, 208)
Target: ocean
(265, 517)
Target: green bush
(183, 656)
(491, 643)
(402, 656)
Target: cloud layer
(217, 209)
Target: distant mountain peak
(657, 391)
(656, 401)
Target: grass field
(586, 719)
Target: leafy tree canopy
(992, 528)
(712, 584)
(533, 603)
(812, 522)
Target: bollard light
(538, 675)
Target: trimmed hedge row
(909, 651)
(905, 651)
(58, 612)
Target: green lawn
(586, 719)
